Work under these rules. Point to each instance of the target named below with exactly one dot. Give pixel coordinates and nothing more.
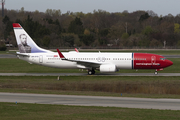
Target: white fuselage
(121, 60)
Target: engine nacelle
(108, 68)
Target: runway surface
(85, 74)
(8, 56)
(145, 103)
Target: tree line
(52, 29)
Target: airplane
(91, 61)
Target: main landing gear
(91, 72)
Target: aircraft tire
(155, 72)
(90, 72)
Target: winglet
(60, 54)
(76, 50)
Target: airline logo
(153, 59)
(147, 64)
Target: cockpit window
(162, 58)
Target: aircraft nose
(169, 63)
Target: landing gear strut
(157, 70)
(91, 72)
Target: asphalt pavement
(145, 103)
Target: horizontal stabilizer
(23, 54)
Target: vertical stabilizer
(25, 42)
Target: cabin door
(40, 59)
(153, 59)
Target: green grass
(14, 65)
(7, 52)
(153, 51)
(9, 111)
(149, 87)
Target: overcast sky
(161, 7)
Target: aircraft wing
(82, 63)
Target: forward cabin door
(40, 59)
(153, 61)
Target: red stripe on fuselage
(148, 61)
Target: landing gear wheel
(155, 72)
(90, 72)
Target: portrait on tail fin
(23, 46)
(25, 42)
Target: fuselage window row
(98, 58)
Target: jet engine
(108, 68)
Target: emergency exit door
(40, 59)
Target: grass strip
(19, 111)
(149, 87)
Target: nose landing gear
(155, 72)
